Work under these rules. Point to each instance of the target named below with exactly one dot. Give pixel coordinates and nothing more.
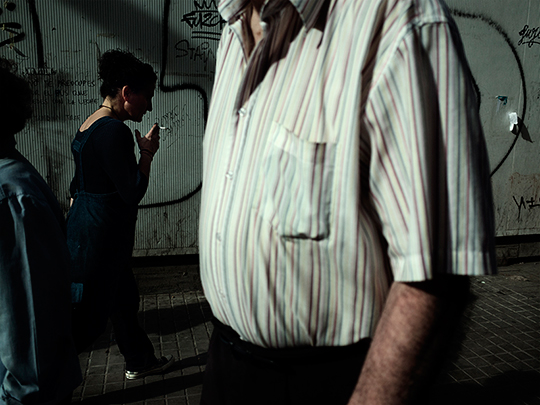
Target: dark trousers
(240, 373)
(118, 300)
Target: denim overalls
(101, 233)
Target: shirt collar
(309, 10)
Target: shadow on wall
(134, 25)
(204, 23)
(509, 388)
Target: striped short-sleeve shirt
(356, 161)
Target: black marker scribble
(530, 204)
(183, 86)
(513, 49)
(529, 36)
(204, 17)
(202, 52)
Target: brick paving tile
(498, 362)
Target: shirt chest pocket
(295, 185)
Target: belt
(302, 355)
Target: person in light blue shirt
(38, 360)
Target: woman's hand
(148, 144)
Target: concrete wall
(502, 40)
(57, 42)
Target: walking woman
(107, 186)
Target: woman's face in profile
(140, 103)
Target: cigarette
(163, 128)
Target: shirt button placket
(242, 112)
(229, 175)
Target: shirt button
(242, 111)
(229, 175)
(218, 236)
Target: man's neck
(255, 22)
(257, 5)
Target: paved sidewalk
(177, 324)
(498, 363)
(499, 360)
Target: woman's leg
(131, 338)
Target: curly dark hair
(15, 100)
(119, 68)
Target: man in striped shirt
(346, 198)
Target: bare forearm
(409, 339)
(144, 164)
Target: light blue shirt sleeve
(38, 362)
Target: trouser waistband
(290, 356)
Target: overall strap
(80, 141)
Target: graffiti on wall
(523, 204)
(514, 56)
(57, 92)
(506, 85)
(187, 34)
(530, 203)
(205, 23)
(203, 52)
(529, 36)
(203, 20)
(12, 31)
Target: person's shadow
(165, 321)
(509, 388)
(154, 389)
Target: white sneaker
(162, 364)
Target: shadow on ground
(162, 321)
(509, 388)
(150, 390)
(155, 389)
(166, 321)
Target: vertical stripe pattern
(357, 160)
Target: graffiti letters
(51, 118)
(178, 123)
(12, 29)
(529, 36)
(201, 52)
(49, 89)
(39, 71)
(530, 204)
(203, 21)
